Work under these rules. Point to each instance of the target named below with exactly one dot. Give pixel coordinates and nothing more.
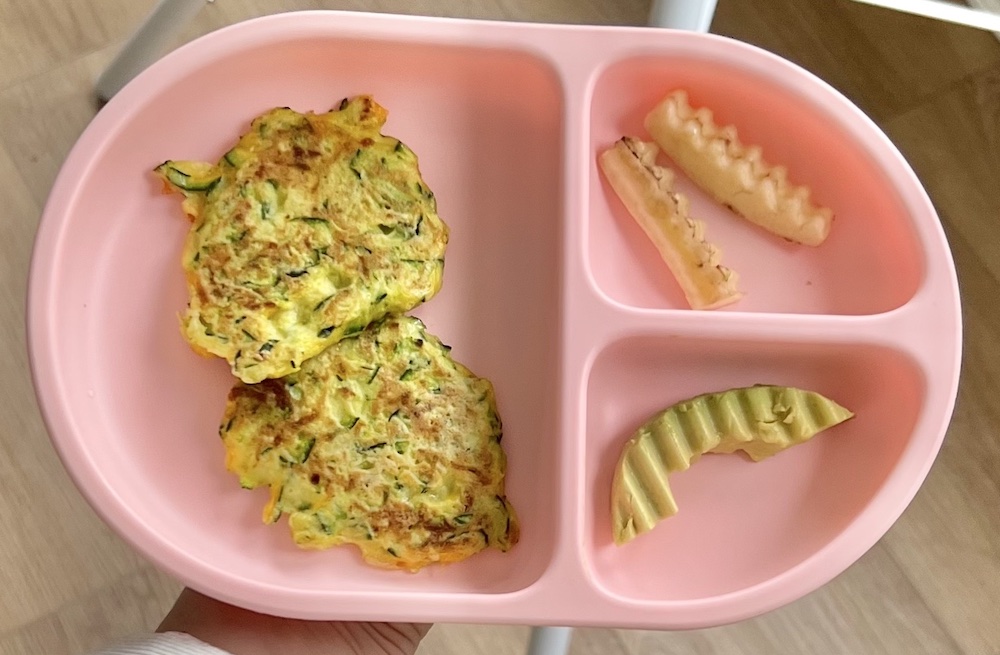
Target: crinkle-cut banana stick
(760, 420)
(647, 192)
(734, 174)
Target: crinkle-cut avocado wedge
(761, 420)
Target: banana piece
(647, 192)
(760, 420)
(734, 174)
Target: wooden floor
(932, 585)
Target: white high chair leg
(146, 44)
(550, 641)
(692, 15)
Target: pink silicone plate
(550, 290)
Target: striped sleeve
(169, 643)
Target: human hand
(242, 632)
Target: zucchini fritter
(382, 441)
(312, 227)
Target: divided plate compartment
(551, 291)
